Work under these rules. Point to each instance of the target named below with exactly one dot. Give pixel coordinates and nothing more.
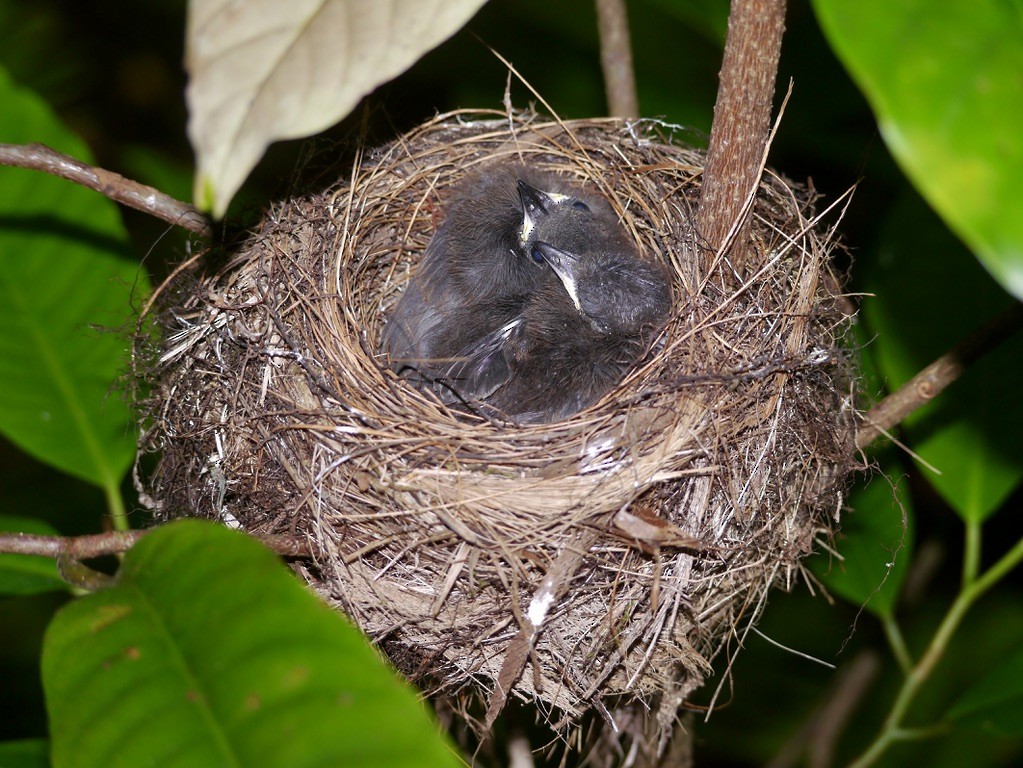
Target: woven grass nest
(604, 559)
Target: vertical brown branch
(742, 117)
(616, 59)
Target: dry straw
(649, 527)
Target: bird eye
(579, 205)
(537, 255)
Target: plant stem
(115, 506)
(971, 555)
(970, 593)
(897, 643)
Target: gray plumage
(578, 335)
(476, 275)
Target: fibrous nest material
(578, 565)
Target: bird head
(610, 285)
(538, 205)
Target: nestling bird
(476, 274)
(578, 335)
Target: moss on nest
(271, 407)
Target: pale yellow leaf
(263, 70)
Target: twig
(115, 186)
(851, 685)
(78, 574)
(616, 59)
(893, 729)
(520, 753)
(679, 753)
(742, 118)
(76, 547)
(100, 544)
(821, 731)
(933, 379)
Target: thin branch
(892, 730)
(897, 643)
(76, 547)
(742, 118)
(78, 574)
(143, 198)
(100, 544)
(616, 59)
(820, 733)
(933, 379)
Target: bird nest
(577, 564)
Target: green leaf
(28, 574)
(876, 545)
(995, 702)
(65, 300)
(929, 295)
(27, 753)
(208, 652)
(944, 82)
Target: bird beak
(563, 263)
(535, 203)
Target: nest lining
(272, 409)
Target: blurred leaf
(876, 545)
(60, 282)
(944, 81)
(995, 702)
(264, 70)
(27, 753)
(28, 574)
(930, 295)
(208, 652)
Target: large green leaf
(65, 299)
(28, 574)
(944, 81)
(875, 542)
(209, 653)
(995, 702)
(929, 295)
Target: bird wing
(481, 367)
(411, 331)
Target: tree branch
(143, 198)
(616, 59)
(818, 736)
(933, 379)
(742, 118)
(79, 548)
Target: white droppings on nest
(439, 534)
(541, 603)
